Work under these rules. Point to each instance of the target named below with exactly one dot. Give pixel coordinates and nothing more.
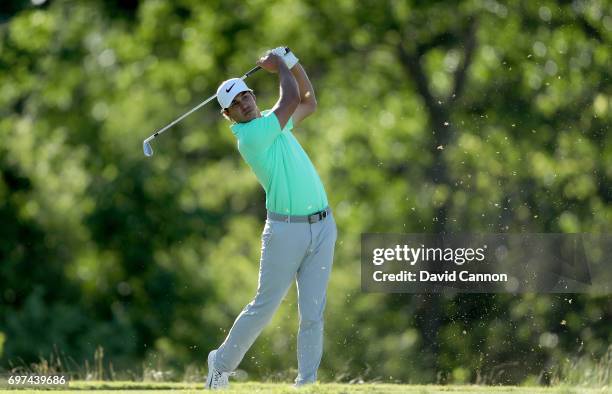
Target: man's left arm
(308, 101)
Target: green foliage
(474, 116)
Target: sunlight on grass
(280, 388)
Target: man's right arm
(289, 91)
(289, 97)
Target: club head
(148, 151)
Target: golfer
(300, 233)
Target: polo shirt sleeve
(260, 133)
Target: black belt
(313, 218)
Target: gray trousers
(289, 251)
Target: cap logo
(230, 88)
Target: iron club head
(146, 146)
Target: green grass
(332, 388)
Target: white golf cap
(229, 89)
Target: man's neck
(247, 121)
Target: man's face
(243, 108)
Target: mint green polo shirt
(283, 168)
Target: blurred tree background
(470, 116)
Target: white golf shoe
(216, 379)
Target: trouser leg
(312, 278)
(283, 248)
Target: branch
(584, 24)
(468, 56)
(413, 65)
(590, 30)
(445, 40)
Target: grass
(579, 376)
(100, 387)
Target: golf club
(146, 144)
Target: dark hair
(223, 112)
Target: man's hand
(270, 62)
(287, 55)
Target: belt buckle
(318, 216)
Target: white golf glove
(289, 58)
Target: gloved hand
(289, 58)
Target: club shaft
(186, 114)
(175, 121)
(197, 107)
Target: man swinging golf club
(300, 232)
